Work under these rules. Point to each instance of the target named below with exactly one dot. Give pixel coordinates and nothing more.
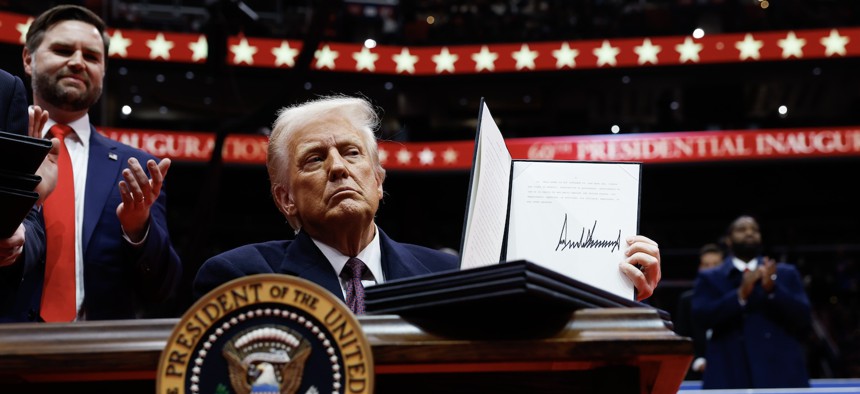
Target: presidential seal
(267, 334)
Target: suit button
(767, 335)
(31, 315)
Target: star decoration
(444, 61)
(749, 47)
(383, 155)
(243, 53)
(565, 56)
(325, 57)
(525, 57)
(403, 156)
(199, 49)
(485, 60)
(426, 157)
(22, 28)
(450, 156)
(606, 54)
(405, 61)
(688, 51)
(118, 44)
(159, 47)
(647, 52)
(365, 59)
(791, 46)
(834, 44)
(284, 55)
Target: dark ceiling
(643, 99)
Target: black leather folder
(15, 180)
(516, 299)
(15, 206)
(20, 157)
(21, 153)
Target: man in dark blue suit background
(326, 178)
(125, 261)
(758, 314)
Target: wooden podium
(612, 350)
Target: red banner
(786, 45)
(457, 155)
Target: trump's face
(332, 179)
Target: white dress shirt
(371, 255)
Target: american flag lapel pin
(112, 156)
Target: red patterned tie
(353, 271)
(58, 294)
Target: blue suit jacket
(13, 104)
(120, 280)
(759, 345)
(302, 258)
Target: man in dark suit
(123, 257)
(758, 314)
(326, 178)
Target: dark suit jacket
(761, 344)
(302, 258)
(13, 104)
(120, 281)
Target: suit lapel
(102, 173)
(305, 260)
(397, 262)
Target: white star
(450, 156)
(688, 51)
(791, 46)
(525, 57)
(565, 56)
(118, 44)
(606, 54)
(159, 47)
(325, 57)
(22, 28)
(426, 157)
(284, 55)
(647, 52)
(365, 59)
(403, 156)
(444, 61)
(383, 155)
(485, 60)
(749, 47)
(405, 61)
(199, 49)
(243, 52)
(834, 44)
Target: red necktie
(58, 295)
(353, 271)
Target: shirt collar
(743, 265)
(80, 125)
(371, 255)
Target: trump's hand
(642, 265)
(138, 193)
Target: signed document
(573, 217)
(569, 216)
